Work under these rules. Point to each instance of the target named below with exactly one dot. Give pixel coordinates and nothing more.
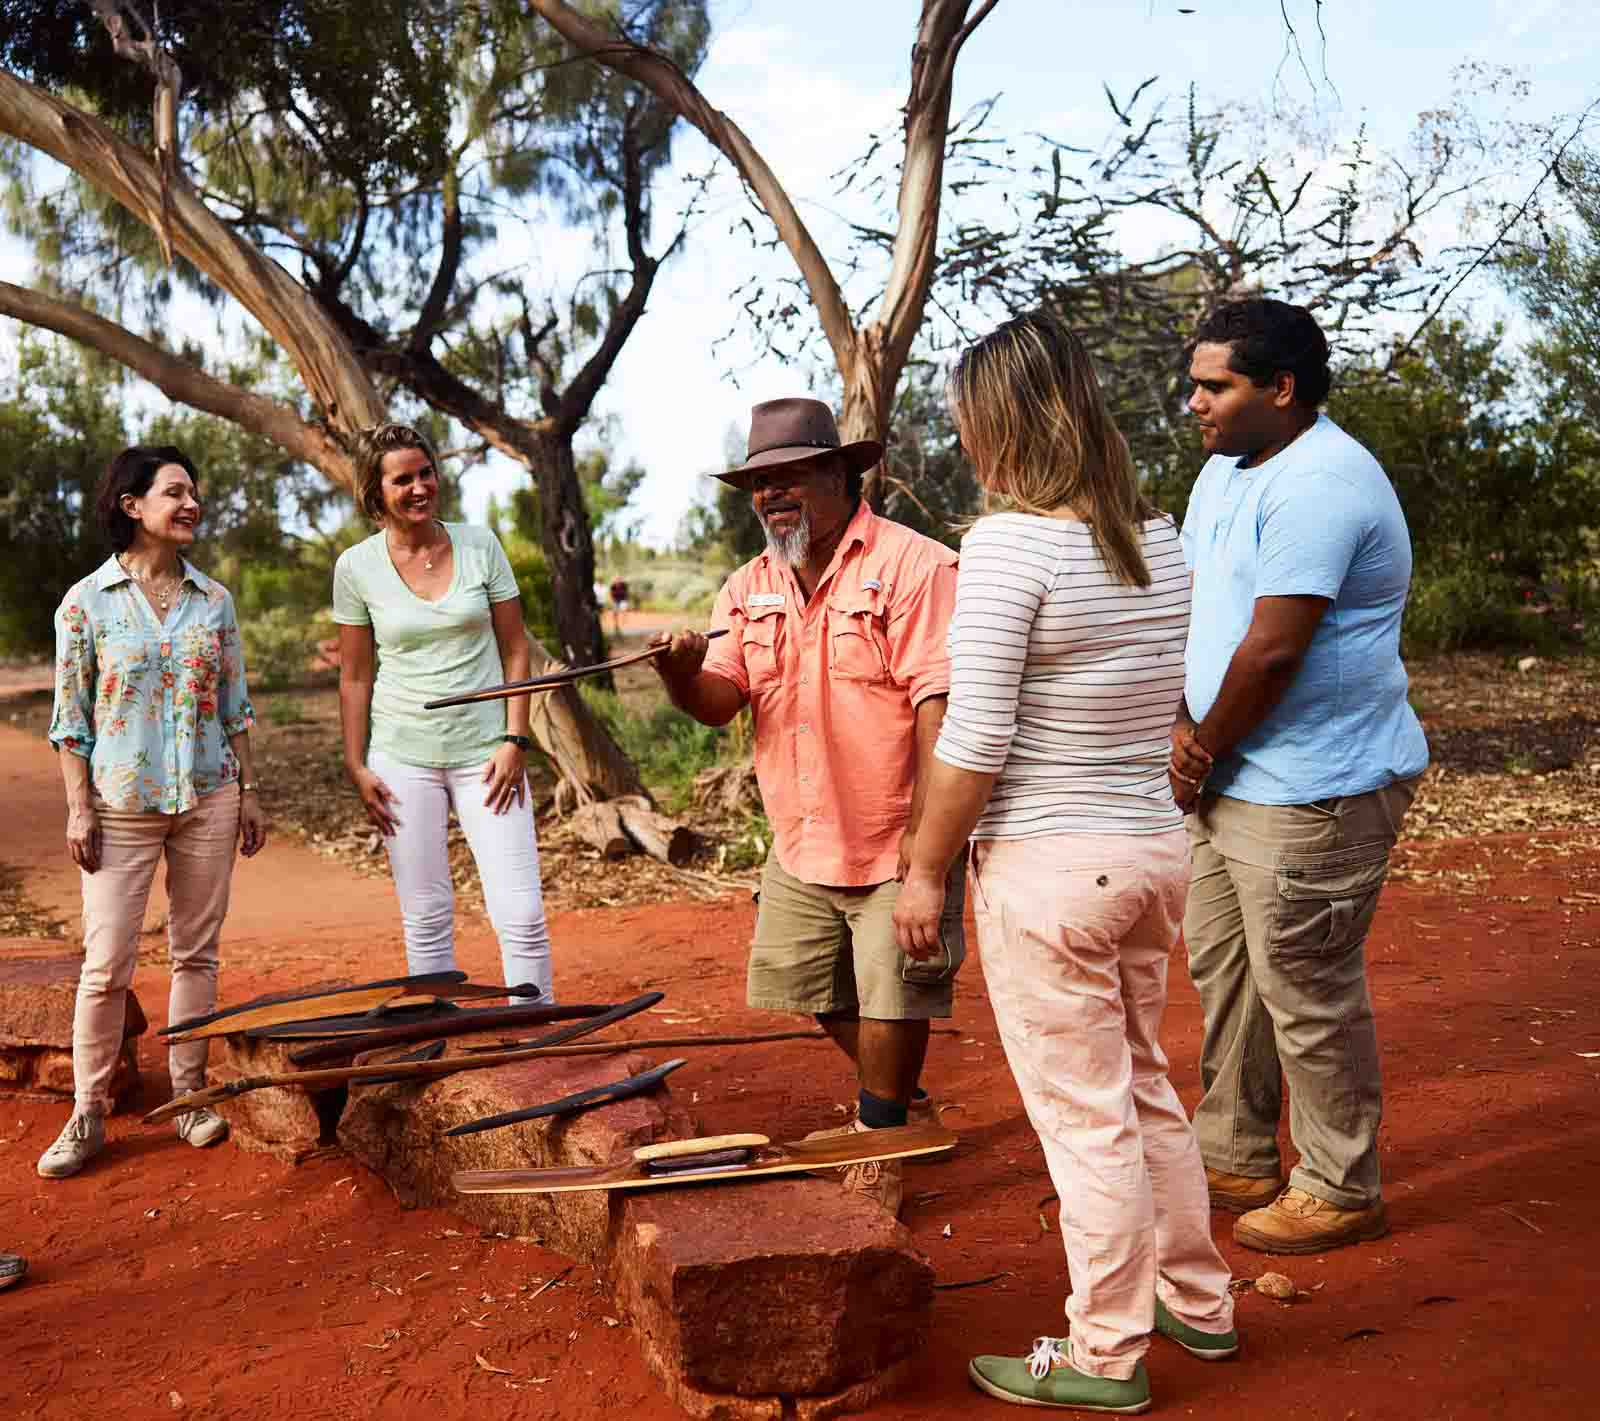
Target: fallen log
(660, 837)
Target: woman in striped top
(1066, 654)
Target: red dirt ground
(169, 1281)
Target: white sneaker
(202, 1127)
(83, 1138)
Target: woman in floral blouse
(153, 721)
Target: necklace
(161, 594)
(427, 555)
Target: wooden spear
(449, 1065)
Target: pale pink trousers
(198, 846)
(1075, 933)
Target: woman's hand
(83, 837)
(1190, 764)
(252, 824)
(916, 914)
(506, 774)
(378, 799)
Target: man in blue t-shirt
(1297, 755)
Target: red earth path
(168, 1281)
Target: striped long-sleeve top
(1065, 680)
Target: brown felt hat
(787, 431)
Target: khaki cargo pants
(1280, 901)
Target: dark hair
(132, 472)
(1268, 337)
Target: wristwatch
(520, 741)
(249, 786)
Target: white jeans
(505, 848)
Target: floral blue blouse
(150, 704)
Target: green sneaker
(1208, 1346)
(1045, 1378)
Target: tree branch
(289, 313)
(673, 87)
(444, 279)
(180, 381)
(579, 396)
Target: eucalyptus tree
(343, 176)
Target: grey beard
(794, 546)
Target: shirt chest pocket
(857, 646)
(760, 641)
(121, 659)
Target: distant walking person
(1066, 661)
(619, 603)
(425, 610)
(152, 721)
(1298, 754)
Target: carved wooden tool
(705, 1160)
(578, 1100)
(552, 679)
(336, 1045)
(310, 1006)
(449, 1065)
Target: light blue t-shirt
(1319, 519)
(430, 650)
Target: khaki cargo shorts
(821, 950)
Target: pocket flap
(1333, 873)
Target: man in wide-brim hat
(837, 643)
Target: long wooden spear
(552, 679)
(449, 1065)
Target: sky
(810, 83)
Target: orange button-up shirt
(833, 683)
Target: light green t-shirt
(428, 650)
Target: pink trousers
(198, 846)
(1075, 932)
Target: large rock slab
(38, 990)
(397, 1131)
(752, 1301)
(785, 1292)
(285, 1121)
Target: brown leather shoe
(1297, 1222)
(881, 1181)
(1240, 1193)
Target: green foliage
(1557, 276)
(669, 747)
(279, 644)
(60, 422)
(535, 586)
(1471, 607)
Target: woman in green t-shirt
(429, 609)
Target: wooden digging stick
(550, 680)
(345, 1001)
(448, 1066)
(465, 1023)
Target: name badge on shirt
(765, 599)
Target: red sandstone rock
(397, 1131)
(284, 1121)
(38, 987)
(780, 1288)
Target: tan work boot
(880, 1180)
(1240, 1193)
(1297, 1222)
